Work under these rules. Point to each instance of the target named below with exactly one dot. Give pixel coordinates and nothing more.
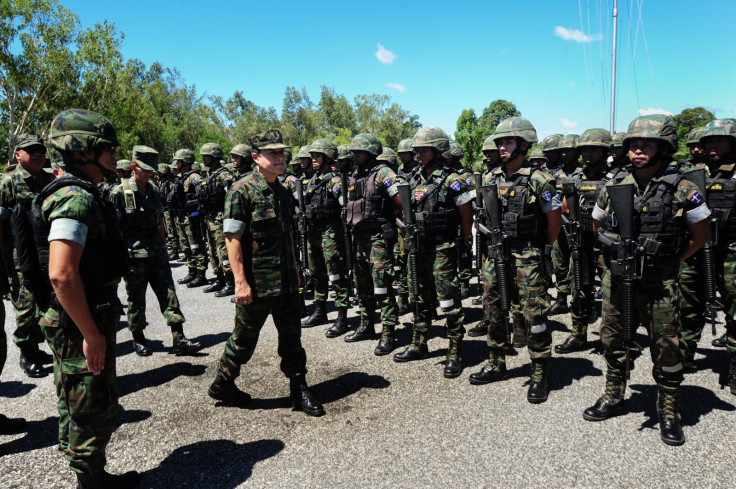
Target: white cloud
(568, 123)
(572, 84)
(384, 55)
(400, 88)
(575, 35)
(652, 110)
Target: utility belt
(438, 227)
(650, 252)
(522, 227)
(103, 304)
(387, 229)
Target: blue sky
(551, 58)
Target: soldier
(213, 193)
(140, 210)
(242, 161)
(325, 239)
(189, 218)
(441, 200)
(594, 145)
(532, 220)
(464, 248)
(551, 152)
(19, 188)
(665, 208)
(619, 156)
(305, 160)
(569, 170)
(123, 170)
(406, 156)
(537, 158)
(372, 200)
(257, 227)
(344, 162)
(172, 235)
(86, 259)
(697, 154)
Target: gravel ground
(387, 424)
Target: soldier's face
(618, 152)
(697, 151)
(31, 158)
(643, 151)
(361, 157)
(208, 160)
(717, 148)
(318, 159)
(507, 148)
(424, 155)
(406, 157)
(491, 157)
(271, 162)
(235, 160)
(592, 155)
(568, 155)
(141, 175)
(108, 158)
(553, 156)
(306, 163)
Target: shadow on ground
(127, 384)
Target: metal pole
(613, 68)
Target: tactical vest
(436, 216)
(320, 206)
(722, 204)
(212, 193)
(365, 207)
(137, 222)
(654, 217)
(523, 222)
(588, 195)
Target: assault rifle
(627, 261)
(706, 256)
(411, 242)
(574, 233)
(346, 231)
(498, 248)
(301, 217)
(480, 239)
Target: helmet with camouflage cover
(617, 140)
(123, 165)
(81, 130)
(367, 142)
(455, 151)
(241, 150)
(720, 127)
(489, 144)
(324, 146)
(537, 154)
(184, 155)
(431, 137)
(693, 137)
(568, 141)
(211, 149)
(343, 152)
(388, 155)
(595, 137)
(405, 146)
(654, 126)
(164, 169)
(551, 142)
(304, 152)
(516, 127)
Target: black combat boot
(12, 426)
(216, 286)
(720, 342)
(29, 362)
(183, 345)
(416, 351)
(480, 329)
(668, 410)
(464, 290)
(318, 317)
(611, 403)
(519, 327)
(341, 324)
(225, 390)
(493, 371)
(229, 288)
(688, 363)
(103, 480)
(140, 345)
(577, 341)
(199, 280)
(387, 343)
(41, 357)
(173, 255)
(454, 363)
(560, 305)
(537, 392)
(301, 398)
(365, 331)
(189, 277)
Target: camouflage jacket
(16, 186)
(140, 222)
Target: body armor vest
(137, 222)
(365, 207)
(212, 193)
(524, 222)
(722, 203)
(588, 195)
(321, 207)
(437, 218)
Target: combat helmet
(489, 144)
(304, 152)
(241, 149)
(123, 165)
(550, 142)
(431, 137)
(324, 146)
(185, 155)
(388, 155)
(516, 127)
(693, 137)
(405, 146)
(617, 140)
(164, 169)
(81, 130)
(595, 137)
(343, 152)
(568, 141)
(654, 126)
(455, 151)
(211, 149)
(367, 142)
(537, 154)
(720, 127)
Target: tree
(472, 130)
(686, 121)
(496, 112)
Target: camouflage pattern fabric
(193, 229)
(373, 266)
(561, 248)
(215, 236)
(81, 130)
(655, 126)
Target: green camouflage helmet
(693, 137)
(568, 141)
(185, 155)
(367, 142)
(123, 165)
(81, 130)
(211, 149)
(537, 154)
(550, 142)
(595, 137)
(242, 150)
(654, 126)
(617, 140)
(720, 127)
(388, 155)
(405, 146)
(145, 157)
(431, 137)
(343, 152)
(164, 169)
(304, 152)
(489, 144)
(455, 151)
(324, 146)
(516, 127)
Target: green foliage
(686, 121)
(472, 130)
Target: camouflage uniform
(400, 265)
(464, 248)
(241, 152)
(191, 220)
(172, 232)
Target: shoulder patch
(336, 189)
(546, 196)
(456, 186)
(695, 197)
(387, 182)
(469, 182)
(292, 179)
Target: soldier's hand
(243, 293)
(94, 352)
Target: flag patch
(694, 196)
(546, 195)
(455, 186)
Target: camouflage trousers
(726, 273)
(373, 265)
(172, 231)
(327, 262)
(656, 299)
(27, 314)
(582, 300)
(692, 300)
(561, 263)
(87, 403)
(438, 266)
(153, 270)
(196, 240)
(464, 259)
(181, 225)
(249, 320)
(216, 243)
(528, 298)
(3, 339)
(400, 270)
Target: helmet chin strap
(651, 162)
